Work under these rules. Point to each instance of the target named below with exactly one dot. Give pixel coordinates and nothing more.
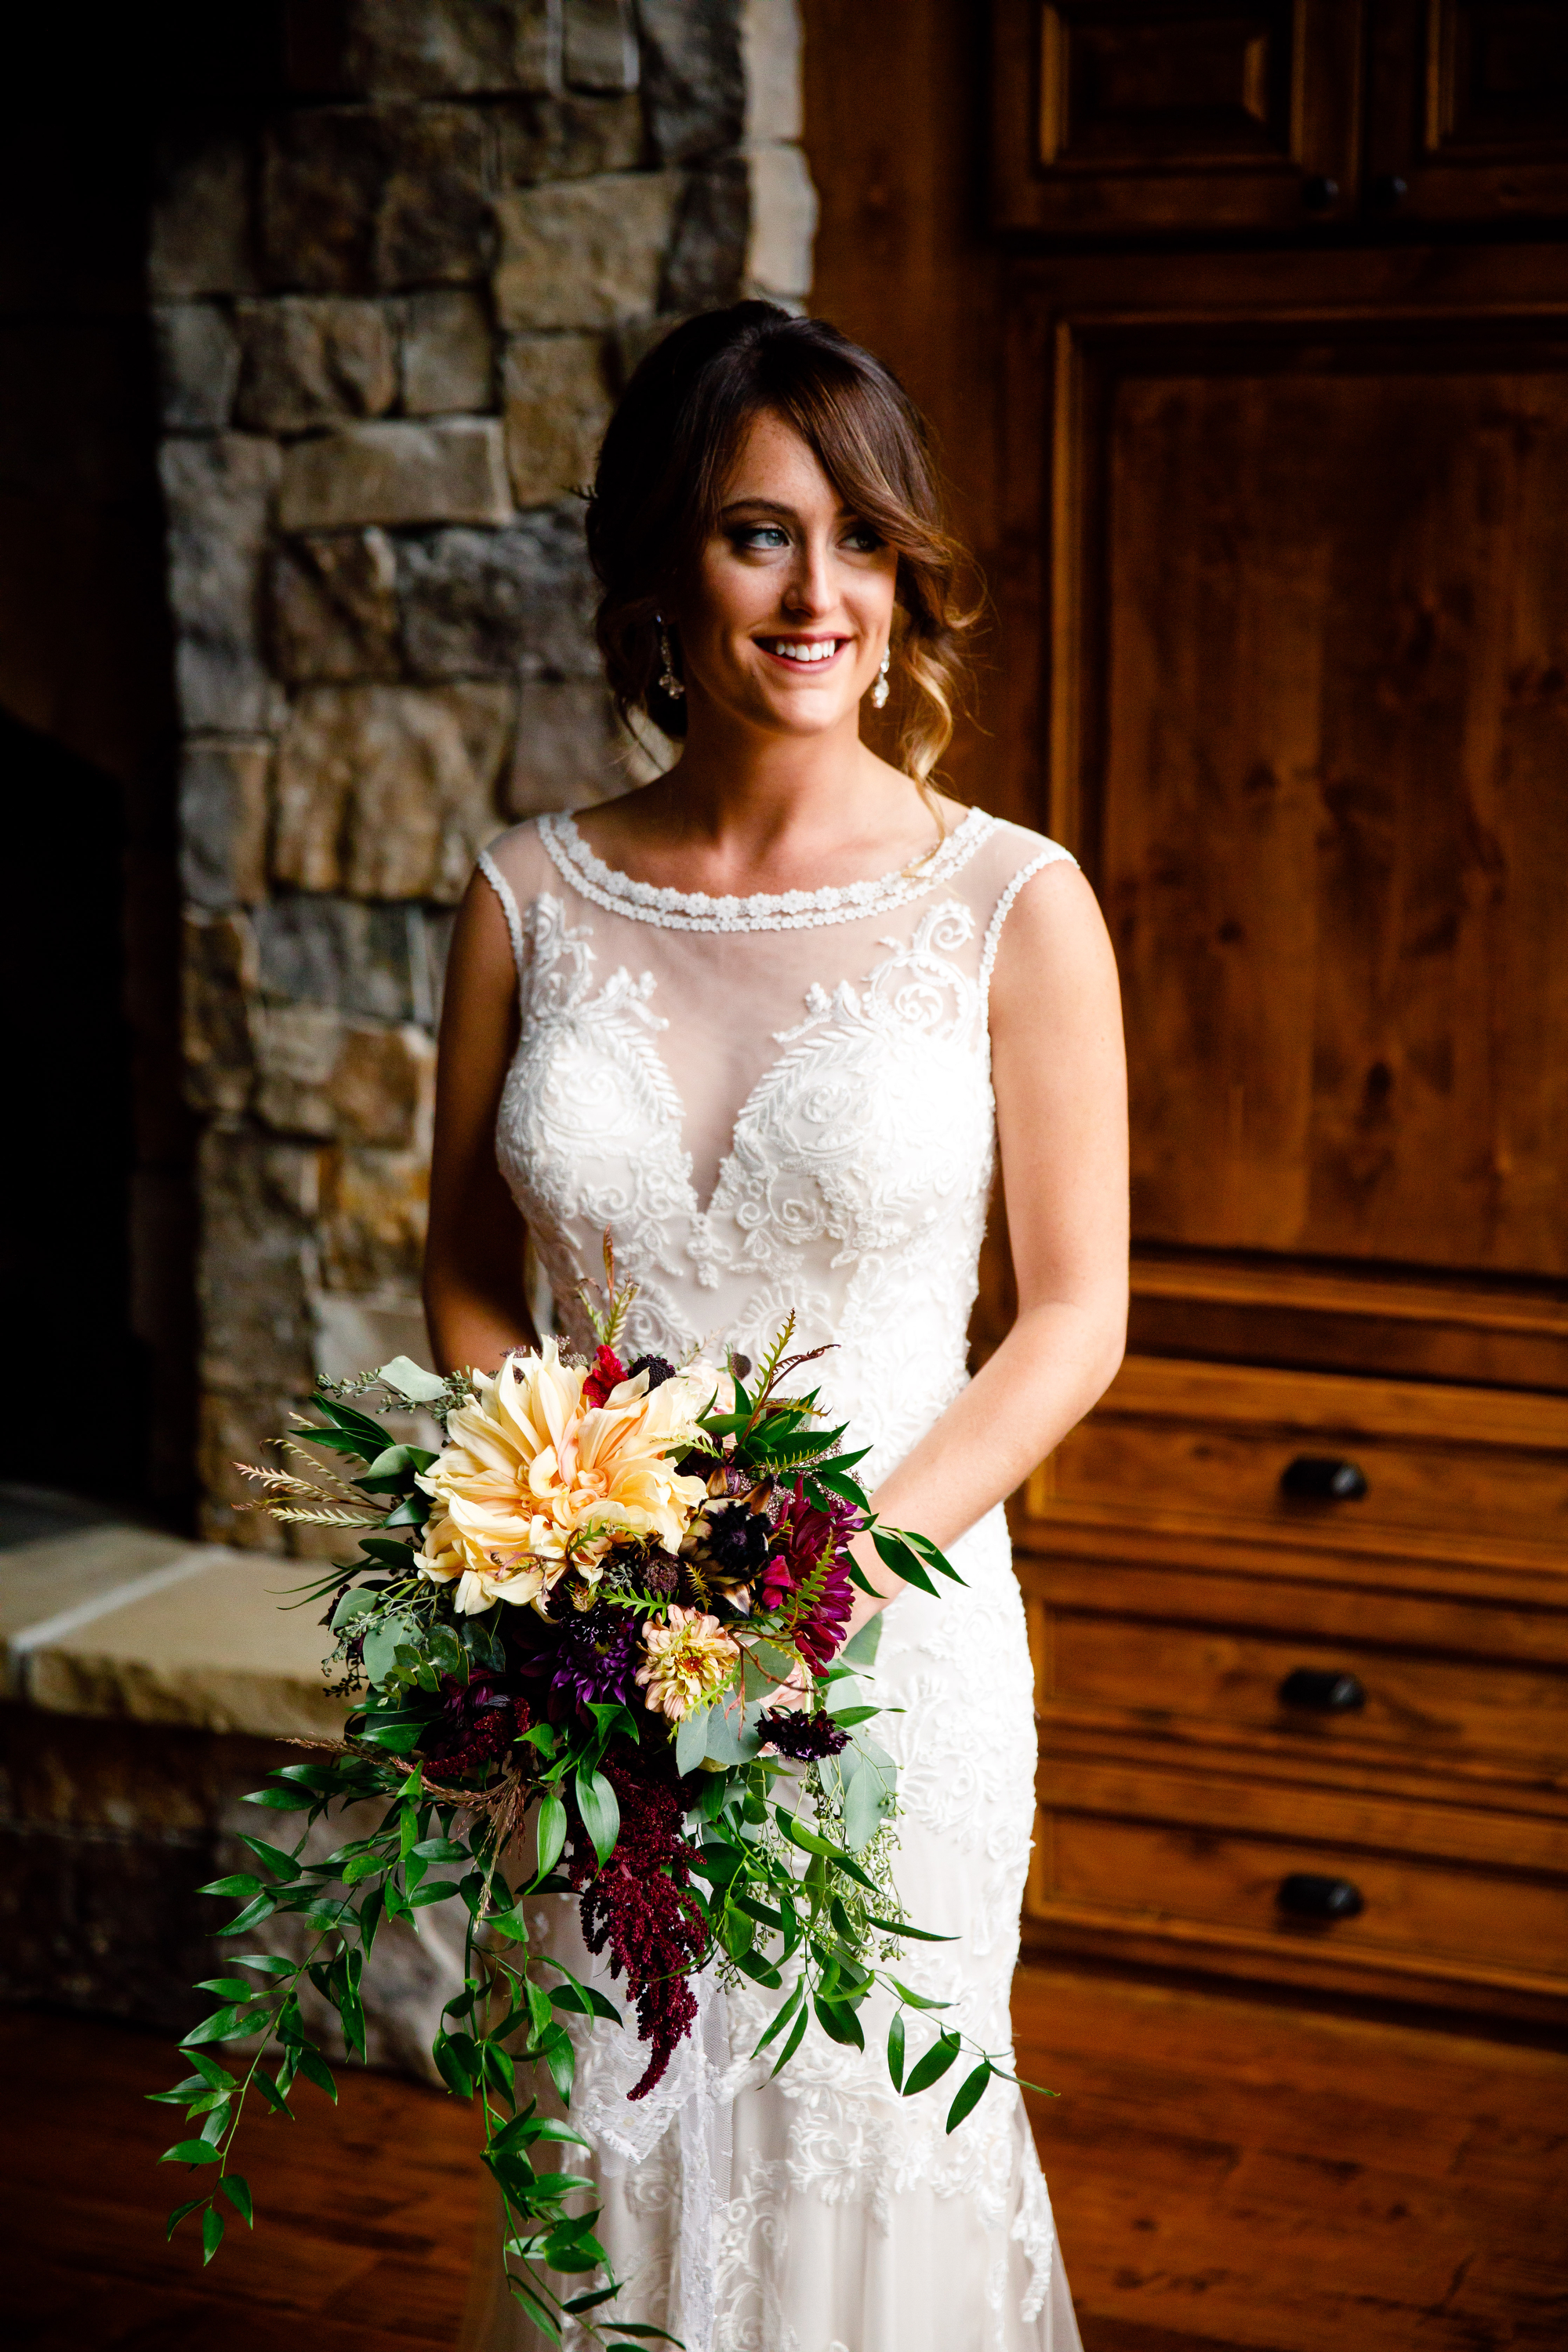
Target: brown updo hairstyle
(660, 490)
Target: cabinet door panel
(1118, 116)
(1469, 114)
(1313, 683)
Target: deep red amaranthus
(639, 1905)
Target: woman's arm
(1060, 1080)
(475, 1301)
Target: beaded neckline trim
(788, 910)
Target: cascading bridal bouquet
(610, 1612)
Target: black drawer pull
(1325, 1689)
(1322, 1478)
(1305, 1896)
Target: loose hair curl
(659, 488)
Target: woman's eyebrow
(762, 506)
(773, 507)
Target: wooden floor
(1225, 2173)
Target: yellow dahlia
(690, 1657)
(532, 1480)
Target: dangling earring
(669, 683)
(880, 690)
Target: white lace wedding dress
(778, 1102)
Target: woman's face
(788, 616)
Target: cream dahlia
(535, 1479)
(689, 1659)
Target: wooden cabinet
(1116, 118)
(1302, 592)
(1271, 487)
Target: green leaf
(411, 1381)
(601, 1814)
(852, 1715)
(266, 1964)
(537, 2311)
(237, 2188)
(499, 2067)
(781, 2017)
(902, 1927)
(896, 2049)
(212, 2233)
(691, 1739)
(861, 1649)
(595, 2295)
(222, 2025)
(435, 1890)
(282, 1801)
(561, 2060)
(585, 2001)
(839, 2021)
(934, 2065)
(216, 2077)
(232, 1989)
(411, 1512)
(970, 2091)
(797, 2035)
(552, 1832)
(354, 1603)
(867, 1804)
(916, 1999)
(240, 1887)
(315, 2069)
(179, 2213)
(457, 2056)
(895, 1554)
(190, 2151)
(272, 2095)
(251, 1916)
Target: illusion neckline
(696, 910)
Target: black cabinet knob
(1389, 191)
(1306, 1895)
(1327, 1690)
(1322, 1478)
(1319, 195)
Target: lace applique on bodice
(769, 1102)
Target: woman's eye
(862, 539)
(761, 535)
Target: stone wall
(393, 313)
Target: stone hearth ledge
(122, 1621)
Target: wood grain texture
(1175, 118)
(1225, 2174)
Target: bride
(770, 1021)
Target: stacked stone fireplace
(392, 313)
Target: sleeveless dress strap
(503, 891)
(1053, 853)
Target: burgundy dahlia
(803, 1737)
(596, 1658)
(813, 1600)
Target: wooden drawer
(1456, 1903)
(1430, 1708)
(1210, 1444)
